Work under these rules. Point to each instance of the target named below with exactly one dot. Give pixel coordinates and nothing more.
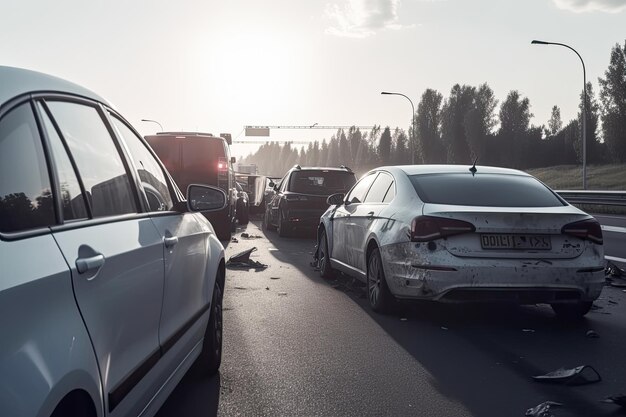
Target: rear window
(321, 182)
(488, 190)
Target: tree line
(470, 124)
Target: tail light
(222, 164)
(427, 228)
(585, 229)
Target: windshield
(489, 190)
(321, 182)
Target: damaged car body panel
(503, 236)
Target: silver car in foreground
(110, 280)
(457, 234)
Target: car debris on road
(543, 409)
(242, 260)
(579, 375)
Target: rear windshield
(489, 190)
(321, 182)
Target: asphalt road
(298, 345)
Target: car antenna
(473, 169)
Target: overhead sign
(257, 131)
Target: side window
(391, 193)
(97, 158)
(72, 199)
(25, 193)
(148, 169)
(378, 190)
(357, 194)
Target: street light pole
(584, 135)
(153, 121)
(412, 140)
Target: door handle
(87, 264)
(170, 241)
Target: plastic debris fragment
(579, 375)
(619, 399)
(403, 319)
(249, 236)
(234, 239)
(592, 334)
(528, 330)
(543, 409)
(282, 293)
(242, 260)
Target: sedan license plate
(521, 242)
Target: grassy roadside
(569, 177)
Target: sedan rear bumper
(412, 271)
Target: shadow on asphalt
(183, 401)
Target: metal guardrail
(602, 198)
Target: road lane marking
(615, 229)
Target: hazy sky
(219, 65)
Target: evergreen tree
(428, 128)
(613, 99)
(453, 132)
(384, 147)
(555, 123)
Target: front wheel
(283, 225)
(210, 358)
(575, 311)
(267, 225)
(326, 271)
(378, 293)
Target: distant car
(111, 282)
(201, 158)
(444, 233)
(243, 205)
(300, 198)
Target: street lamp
(411, 144)
(153, 121)
(584, 136)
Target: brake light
(427, 228)
(222, 164)
(585, 229)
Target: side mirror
(205, 198)
(335, 199)
(233, 159)
(271, 184)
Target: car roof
(321, 169)
(450, 169)
(186, 134)
(17, 82)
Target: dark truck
(201, 158)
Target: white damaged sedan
(452, 234)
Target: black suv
(299, 200)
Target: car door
(363, 217)
(115, 257)
(342, 221)
(187, 289)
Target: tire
(378, 294)
(326, 271)
(222, 230)
(572, 311)
(266, 222)
(283, 225)
(245, 215)
(210, 358)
